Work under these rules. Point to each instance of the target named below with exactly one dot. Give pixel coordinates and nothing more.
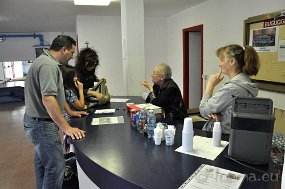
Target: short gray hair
(165, 69)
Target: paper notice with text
(207, 176)
(107, 120)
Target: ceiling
(60, 15)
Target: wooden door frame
(185, 33)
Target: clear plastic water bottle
(142, 120)
(217, 134)
(151, 123)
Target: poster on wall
(265, 39)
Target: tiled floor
(17, 153)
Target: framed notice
(266, 34)
(264, 39)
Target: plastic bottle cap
(217, 127)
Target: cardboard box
(133, 107)
(149, 106)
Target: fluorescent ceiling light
(92, 2)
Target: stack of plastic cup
(187, 135)
(157, 135)
(162, 126)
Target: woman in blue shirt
(73, 89)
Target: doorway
(193, 67)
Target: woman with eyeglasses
(86, 65)
(166, 94)
(238, 63)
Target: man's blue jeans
(49, 159)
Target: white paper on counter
(107, 120)
(105, 111)
(203, 147)
(207, 176)
(119, 99)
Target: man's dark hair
(62, 41)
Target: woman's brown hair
(246, 57)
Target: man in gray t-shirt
(45, 102)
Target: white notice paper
(105, 111)
(207, 176)
(264, 39)
(203, 147)
(119, 99)
(107, 120)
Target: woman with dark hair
(86, 66)
(73, 89)
(238, 63)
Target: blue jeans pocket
(30, 130)
(44, 132)
(49, 132)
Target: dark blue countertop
(116, 156)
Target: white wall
(104, 34)
(155, 44)
(17, 49)
(223, 24)
(22, 48)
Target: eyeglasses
(92, 64)
(154, 73)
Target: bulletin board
(266, 34)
